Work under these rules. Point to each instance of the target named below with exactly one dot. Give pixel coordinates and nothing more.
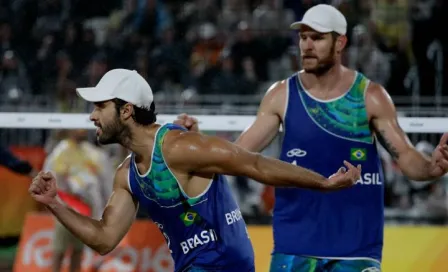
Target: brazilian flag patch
(358, 154)
(189, 218)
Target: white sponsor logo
(233, 216)
(205, 237)
(369, 179)
(296, 152)
(38, 252)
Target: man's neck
(326, 81)
(141, 141)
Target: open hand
(439, 159)
(344, 178)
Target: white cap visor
(93, 94)
(312, 25)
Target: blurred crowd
(187, 49)
(190, 48)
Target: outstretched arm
(105, 234)
(198, 154)
(412, 163)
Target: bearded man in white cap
(177, 177)
(327, 112)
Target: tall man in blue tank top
(329, 112)
(177, 176)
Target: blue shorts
(292, 263)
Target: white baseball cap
(324, 19)
(124, 84)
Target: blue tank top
(320, 135)
(206, 231)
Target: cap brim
(93, 94)
(316, 27)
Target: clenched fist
(188, 122)
(43, 188)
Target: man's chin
(105, 141)
(310, 70)
(318, 70)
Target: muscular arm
(105, 234)
(198, 154)
(268, 120)
(383, 115)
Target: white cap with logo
(124, 84)
(324, 19)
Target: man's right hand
(344, 178)
(43, 188)
(188, 122)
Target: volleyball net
(18, 120)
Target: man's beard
(114, 133)
(324, 64)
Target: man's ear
(341, 42)
(126, 111)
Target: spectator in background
(65, 86)
(146, 17)
(14, 82)
(426, 43)
(95, 70)
(74, 44)
(141, 65)
(270, 18)
(6, 42)
(228, 82)
(208, 48)
(365, 56)
(391, 29)
(84, 174)
(300, 7)
(169, 59)
(356, 12)
(247, 45)
(44, 69)
(270, 21)
(389, 19)
(204, 57)
(87, 48)
(51, 16)
(233, 12)
(194, 13)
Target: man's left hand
(439, 160)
